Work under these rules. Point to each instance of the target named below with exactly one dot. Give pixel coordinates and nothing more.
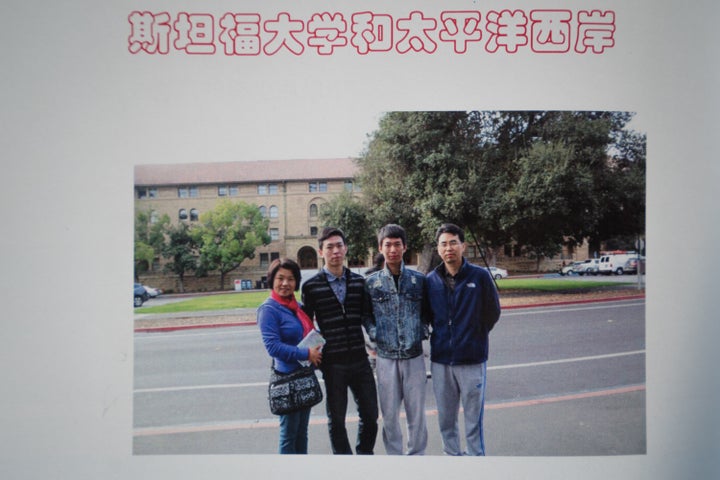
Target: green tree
(229, 234)
(182, 250)
(149, 240)
(416, 171)
(538, 178)
(622, 222)
(348, 214)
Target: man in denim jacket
(398, 327)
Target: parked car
(139, 295)
(632, 265)
(152, 292)
(497, 273)
(591, 266)
(569, 269)
(618, 263)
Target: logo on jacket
(471, 285)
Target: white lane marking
(568, 360)
(497, 367)
(535, 311)
(200, 387)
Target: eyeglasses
(451, 244)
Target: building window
(264, 262)
(263, 211)
(274, 212)
(182, 214)
(228, 190)
(274, 256)
(471, 252)
(267, 189)
(317, 187)
(348, 185)
(154, 217)
(313, 210)
(188, 192)
(147, 192)
(274, 234)
(313, 231)
(194, 215)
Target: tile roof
(242, 172)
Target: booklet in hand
(311, 340)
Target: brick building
(288, 192)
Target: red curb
(171, 328)
(573, 302)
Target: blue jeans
(358, 377)
(294, 432)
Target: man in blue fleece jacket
(465, 307)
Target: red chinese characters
(326, 33)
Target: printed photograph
(472, 283)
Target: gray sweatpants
(455, 384)
(403, 382)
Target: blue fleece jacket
(462, 317)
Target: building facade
(290, 193)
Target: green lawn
(252, 299)
(219, 301)
(553, 284)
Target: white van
(616, 262)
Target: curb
(574, 302)
(171, 328)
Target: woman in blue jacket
(283, 324)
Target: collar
(390, 274)
(444, 273)
(331, 276)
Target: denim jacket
(399, 320)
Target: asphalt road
(562, 381)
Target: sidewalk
(246, 316)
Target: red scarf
(294, 306)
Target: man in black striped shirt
(335, 298)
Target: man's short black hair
(392, 230)
(328, 232)
(287, 264)
(452, 229)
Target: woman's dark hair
(287, 264)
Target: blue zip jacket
(462, 317)
(281, 332)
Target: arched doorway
(307, 258)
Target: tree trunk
(429, 258)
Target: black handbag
(290, 392)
